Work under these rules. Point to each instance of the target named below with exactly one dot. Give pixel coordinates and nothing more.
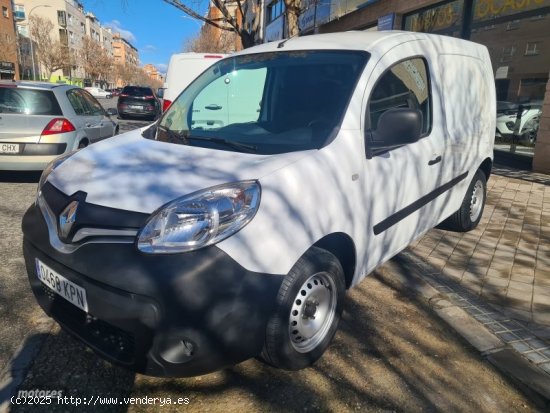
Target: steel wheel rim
(312, 312)
(477, 201)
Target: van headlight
(200, 219)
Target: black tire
(463, 220)
(83, 143)
(316, 274)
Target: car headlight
(50, 168)
(200, 219)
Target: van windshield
(265, 103)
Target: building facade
(9, 68)
(516, 32)
(124, 52)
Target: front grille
(110, 340)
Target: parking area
(392, 352)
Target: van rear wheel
(308, 310)
(469, 214)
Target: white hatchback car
(277, 180)
(98, 92)
(40, 121)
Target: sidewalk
(496, 277)
(506, 259)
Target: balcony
(19, 15)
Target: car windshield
(265, 103)
(28, 101)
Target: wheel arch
(343, 248)
(486, 167)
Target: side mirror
(112, 112)
(396, 127)
(160, 92)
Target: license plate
(9, 148)
(136, 107)
(60, 285)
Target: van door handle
(435, 160)
(213, 107)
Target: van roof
(373, 42)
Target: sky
(155, 28)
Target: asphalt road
(392, 353)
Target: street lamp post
(30, 37)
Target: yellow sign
(487, 9)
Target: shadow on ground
(390, 354)
(20, 176)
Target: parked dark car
(139, 102)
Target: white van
(194, 244)
(183, 68)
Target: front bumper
(163, 315)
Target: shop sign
(274, 30)
(386, 22)
(437, 18)
(490, 9)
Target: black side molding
(416, 205)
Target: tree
(95, 60)
(241, 17)
(52, 54)
(211, 40)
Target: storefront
(517, 34)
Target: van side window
(404, 85)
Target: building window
(70, 17)
(5, 12)
(513, 25)
(19, 12)
(274, 10)
(507, 53)
(532, 49)
(61, 18)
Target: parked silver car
(40, 121)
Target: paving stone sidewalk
(500, 272)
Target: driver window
(404, 85)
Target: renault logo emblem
(67, 219)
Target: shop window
(532, 49)
(444, 19)
(405, 85)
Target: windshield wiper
(184, 137)
(221, 141)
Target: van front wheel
(308, 310)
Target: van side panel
(469, 114)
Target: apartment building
(72, 24)
(8, 46)
(124, 52)
(153, 72)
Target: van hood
(132, 173)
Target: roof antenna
(282, 44)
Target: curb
(528, 377)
